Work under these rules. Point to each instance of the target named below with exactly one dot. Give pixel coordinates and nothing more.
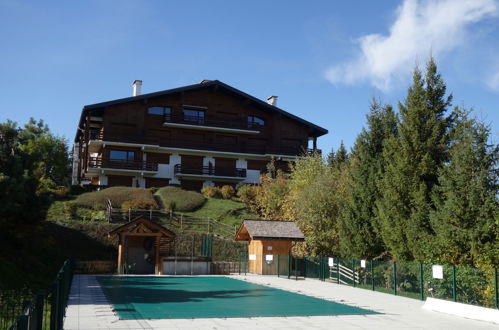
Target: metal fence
(24, 310)
(455, 283)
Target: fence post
(181, 218)
(421, 281)
(454, 297)
(39, 311)
(372, 274)
(150, 213)
(129, 214)
(289, 264)
(394, 278)
(296, 268)
(278, 258)
(353, 272)
(304, 266)
(496, 288)
(338, 270)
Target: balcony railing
(210, 171)
(138, 165)
(190, 144)
(213, 122)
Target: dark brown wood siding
(156, 182)
(119, 180)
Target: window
(121, 155)
(194, 116)
(161, 111)
(254, 122)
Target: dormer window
(255, 122)
(194, 116)
(166, 112)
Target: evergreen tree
(358, 231)
(466, 199)
(338, 159)
(412, 162)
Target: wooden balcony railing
(190, 144)
(138, 165)
(211, 171)
(213, 122)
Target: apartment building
(203, 134)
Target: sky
(325, 60)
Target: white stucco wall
(252, 176)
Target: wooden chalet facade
(203, 134)
(267, 240)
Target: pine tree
(413, 160)
(358, 231)
(466, 199)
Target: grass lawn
(228, 211)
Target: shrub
(141, 204)
(70, 209)
(179, 199)
(213, 192)
(117, 195)
(60, 192)
(228, 192)
(247, 194)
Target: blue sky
(324, 59)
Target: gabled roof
(269, 229)
(142, 225)
(317, 130)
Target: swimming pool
(162, 297)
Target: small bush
(228, 192)
(247, 194)
(70, 209)
(60, 192)
(140, 204)
(181, 200)
(117, 195)
(212, 192)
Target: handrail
(95, 162)
(210, 121)
(211, 171)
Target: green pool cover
(207, 297)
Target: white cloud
(420, 28)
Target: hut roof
(269, 229)
(142, 225)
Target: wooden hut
(267, 239)
(140, 246)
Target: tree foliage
(358, 229)
(466, 206)
(412, 160)
(32, 162)
(418, 185)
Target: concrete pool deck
(88, 308)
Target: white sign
(269, 257)
(438, 271)
(269, 248)
(252, 257)
(363, 264)
(330, 262)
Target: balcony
(129, 139)
(119, 164)
(212, 124)
(211, 171)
